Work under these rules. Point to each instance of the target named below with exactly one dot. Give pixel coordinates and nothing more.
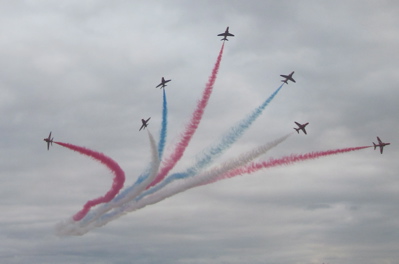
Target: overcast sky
(86, 70)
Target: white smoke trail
(185, 184)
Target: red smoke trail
(287, 160)
(192, 126)
(119, 178)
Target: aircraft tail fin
(375, 146)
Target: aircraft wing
(158, 85)
(229, 34)
(141, 127)
(381, 149)
(379, 140)
(221, 34)
(297, 124)
(148, 119)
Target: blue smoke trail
(232, 136)
(162, 140)
(161, 143)
(161, 146)
(144, 175)
(162, 136)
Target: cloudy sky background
(86, 70)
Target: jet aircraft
(163, 83)
(49, 141)
(301, 127)
(288, 77)
(226, 34)
(145, 123)
(380, 144)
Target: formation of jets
(163, 83)
(380, 144)
(144, 123)
(288, 77)
(301, 127)
(49, 141)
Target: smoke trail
(205, 178)
(68, 227)
(161, 147)
(162, 136)
(131, 192)
(186, 184)
(230, 138)
(227, 170)
(118, 182)
(240, 161)
(287, 160)
(192, 126)
(148, 175)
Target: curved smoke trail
(67, 227)
(152, 187)
(227, 170)
(227, 166)
(182, 186)
(192, 126)
(253, 167)
(118, 182)
(213, 152)
(149, 175)
(162, 140)
(131, 192)
(161, 144)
